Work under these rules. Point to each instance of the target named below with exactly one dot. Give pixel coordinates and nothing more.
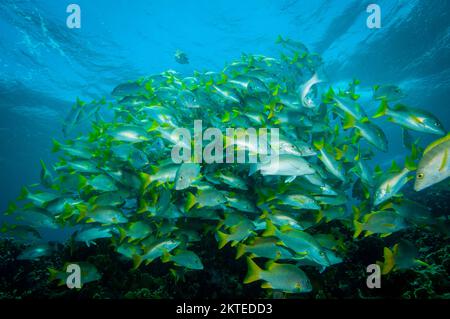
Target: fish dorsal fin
(410, 164)
(377, 170)
(394, 167)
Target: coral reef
(222, 276)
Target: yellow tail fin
(137, 261)
(240, 251)
(270, 229)
(389, 262)
(190, 201)
(382, 109)
(253, 273)
(223, 239)
(319, 144)
(165, 258)
(349, 121)
(146, 180)
(53, 274)
(358, 228)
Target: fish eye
(437, 123)
(420, 175)
(322, 253)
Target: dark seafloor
(222, 276)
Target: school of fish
(115, 178)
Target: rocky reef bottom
(223, 274)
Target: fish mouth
(435, 130)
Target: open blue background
(44, 65)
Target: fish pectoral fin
(385, 235)
(368, 233)
(165, 258)
(234, 243)
(266, 285)
(290, 179)
(302, 253)
(421, 263)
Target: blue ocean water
(45, 65)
